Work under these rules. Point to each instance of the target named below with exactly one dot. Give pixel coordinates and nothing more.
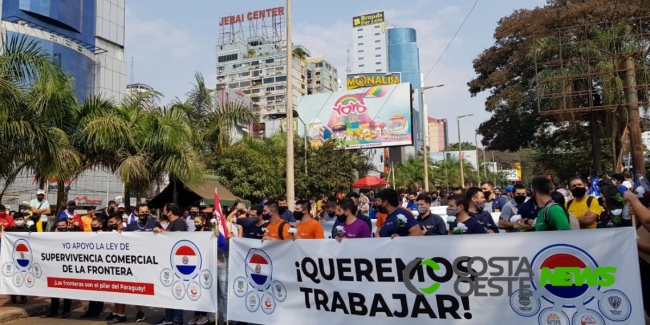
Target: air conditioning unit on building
(22, 23)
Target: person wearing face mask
(252, 224)
(476, 210)
(346, 215)
(143, 221)
(399, 221)
(431, 224)
(69, 215)
(276, 227)
(6, 221)
(458, 207)
(583, 206)
(354, 196)
(511, 208)
(283, 209)
(493, 202)
(307, 227)
(329, 212)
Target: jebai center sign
(251, 15)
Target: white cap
(40, 192)
(627, 184)
(121, 205)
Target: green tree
(30, 136)
(463, 145)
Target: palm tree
(30, 137)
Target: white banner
(546, 278)
(167, 270)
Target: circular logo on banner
(553, 317)
(36, 268)
(588, 317)
(615, 305)
(268, 303)
(186, 259)
(252, 301)
(166, 277)
(279, 291)
(8, 269)
(22, 255)
(194, 291)
(259, 269)
(29, 280)
(178, 290)
(526, 306)
(240, 286)
(206, 279)
(18, 279)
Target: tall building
(404, 57)
(369, 52)
(86, 38)
(438, 134)
(251, 58)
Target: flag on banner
(218, 215)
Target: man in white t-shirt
(40, 208)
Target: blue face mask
(71, 209)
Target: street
(153, 315)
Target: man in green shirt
(557, 218)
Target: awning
(191, 195)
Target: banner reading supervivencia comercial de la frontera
(167, 270)
(585, 277)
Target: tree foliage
(255, 169)
(507, 71)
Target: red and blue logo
(186, 259)
(259, 269)
(564, 256)
(22, 255)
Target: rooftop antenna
(348, 70)
(132, 74)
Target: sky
(168, 41)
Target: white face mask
(20, 223)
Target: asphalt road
(152, 315)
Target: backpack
(280, 232)
(573, 221)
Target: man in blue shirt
(432, 224)
(399, 221)
(458, 207)
(143, 221)
(476, 210)
(283, 209)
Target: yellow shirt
(579, 209)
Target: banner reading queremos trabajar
(172, 270)
(587, 277)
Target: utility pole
(460, 150)
(289, 110)
(634, 123)
(478, 169)
(425, 134)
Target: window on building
(361, 65)
(360, 36)
(257, 91)
(377, 41)
(377, 34)
(360, 44)
(360, 51)
(235, 66)
(248, 92)
(361, 30)
(245, 74)
(378, 26)
(377, 62)
(234, 85)
(378, 56)
(378, 48)
(257, 100)
(270, 88)
(256, 73)
(271, 61)
(318, 74)
(281, 79)
(255, 63)
(270, 98)
(226, 58)
(269, 80)
(379, 70)
(280, 87)
(245, 84)
(361, 58)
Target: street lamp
(295, 113)
(289, 110)
(460, 150)
(425, 136)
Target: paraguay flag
(258, 268)
(186, 260)
(22, 255)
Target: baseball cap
(121, 205)
(40, 192)
(510, 188)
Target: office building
(86, 38)
(322, 76)
(404, 57)
(438, 134)
(369, 52)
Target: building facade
(404, 57)
(86, 38)
(438, 134)
(369, 51)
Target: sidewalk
(35, 306)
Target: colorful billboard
(372, 117)
(369, 19)
(363, 80)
